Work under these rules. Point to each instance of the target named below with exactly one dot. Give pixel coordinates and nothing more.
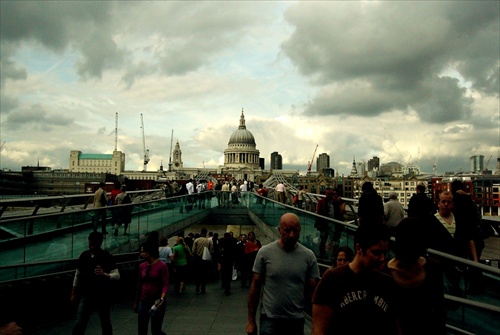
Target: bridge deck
(212, 313)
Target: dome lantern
(242, 136)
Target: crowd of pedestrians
(402, 295)
(229, 193)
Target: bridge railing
(472, 312)
(35, 244)
(52, 249)
(32, 206)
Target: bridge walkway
(473, 316)
(212, 313)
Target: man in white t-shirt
(280, 193)
(243, 193)
(190, 187)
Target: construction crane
(309, 165)
(1, 149)
(116, 131)
(393, 141)
(436, 161)
(487, 163)
(146, 151)
(170, 156)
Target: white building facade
(97, 163)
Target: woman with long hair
(420, 280)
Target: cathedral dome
(241, 155)
(242, 135)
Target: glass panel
(54, 241)
(63, 236)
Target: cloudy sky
(405, 81)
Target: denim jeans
(156, 318)
(100, 215)
(270, 326)
(201, 269)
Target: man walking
(468, 232)
(218, 191)
(420, 205)
(284, 270)
(100, 202)
(190, 187)
(355, 298)
(225, 194)
(201, 265)
(393, 211)
(331, 206)
(280, 193)
(96, 268)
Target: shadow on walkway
(212, 313)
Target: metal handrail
(61, 202)
(61, 273)
(476, 304)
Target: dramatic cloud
(357, 78)
(36, 117)
(371, 57)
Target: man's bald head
(289, 230)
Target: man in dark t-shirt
(356, 298)
(420, 205)
(91, 285)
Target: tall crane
(146, 151)
(436, 161)
(487, 163)
(116, 131)
(1, 149)
(170, 156)
(401, 157)
(309, 165)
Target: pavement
(188, 313)
(212, 313)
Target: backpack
(102, 200)
(126, 199)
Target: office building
(476, 163)
(276, 161)
(373, 164)
(322, 162)
(97, 163)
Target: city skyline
(422, 87)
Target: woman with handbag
(151, 290)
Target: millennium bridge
(41, 239)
